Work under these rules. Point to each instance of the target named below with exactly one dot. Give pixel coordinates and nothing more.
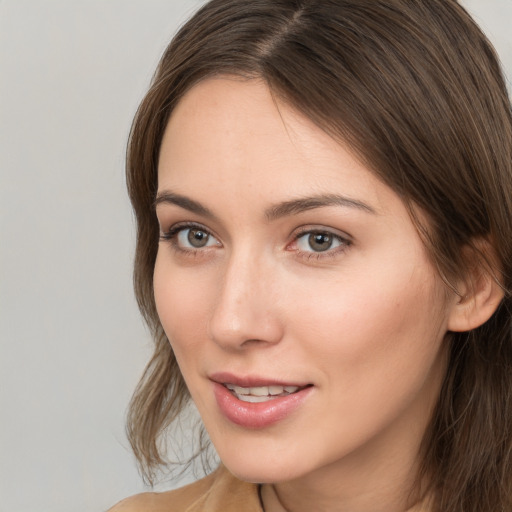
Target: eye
(195, 238)
(190, 237)
(318, 241)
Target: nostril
(244, 326)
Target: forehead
(228, 134)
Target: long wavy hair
(416, 90)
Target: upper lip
(248, 381)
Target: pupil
(197, 238)
(320, 241)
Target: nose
(245, 313)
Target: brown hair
(414, 87)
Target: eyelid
(345, 241)
(315, 228)
(179, 226)
(171, 235)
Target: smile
(255, 404)
(260, 393)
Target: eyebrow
(300, 205)
(167, 197)
(284, 209)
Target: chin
(259, 474)
(261, 466)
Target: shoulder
(176, 500)
(219, 491)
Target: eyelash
(344, 241)
(172, 234)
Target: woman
(323, 191)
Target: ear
(481, 292)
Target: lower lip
(257, 415)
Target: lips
(256, 403)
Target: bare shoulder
(170, 501)
(135, 503)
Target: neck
(295, 497)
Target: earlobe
(478, 299)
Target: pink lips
(255, 415)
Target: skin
(364, 322)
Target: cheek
(379, 353)
(372, 325)
(181, 298)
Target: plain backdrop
(72, 344)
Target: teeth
(238, 390)
(255, 399)
(261, 393)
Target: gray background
(72, 345)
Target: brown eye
(320, 242)
(195, 238)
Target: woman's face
(304, 313)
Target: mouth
(257, 402)
(261, 394)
